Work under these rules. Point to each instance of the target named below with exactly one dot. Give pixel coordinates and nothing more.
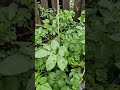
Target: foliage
(59, 57)
(10, 17)
(102, 45)
(16, 50)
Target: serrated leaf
(41, 53)
(51, 62)
(62, 63)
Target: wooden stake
(58, 8)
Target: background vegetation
(60, 56)
(102, 45)
(16, 44)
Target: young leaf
(41, 53)
(51, 62)
(62, 63)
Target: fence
(64, 4)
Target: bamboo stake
(58, 10)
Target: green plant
(59, 57)
(10, 17)
(102, 48)
(16, 50)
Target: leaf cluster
(102, 45)
(59, 57)
(16, 54)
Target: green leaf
(101, 77)
(79, 27)
(62, 50)
(52, 75)
(62, 63)
(118, 64)
(47, 47)
(51, 62)
(38, 87)
(106, 4)
(15, 64)
(65, 88)
(98, 87)
(27, 50)
(46, 86)
(9, 83)
(30, 84)
(38, 63)
(41, 53)
(54, 44)
(61, 82)
(51, 78)
(115, 37)
(42, 80)
(56, 87)
(12, 9)
(46, 21)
